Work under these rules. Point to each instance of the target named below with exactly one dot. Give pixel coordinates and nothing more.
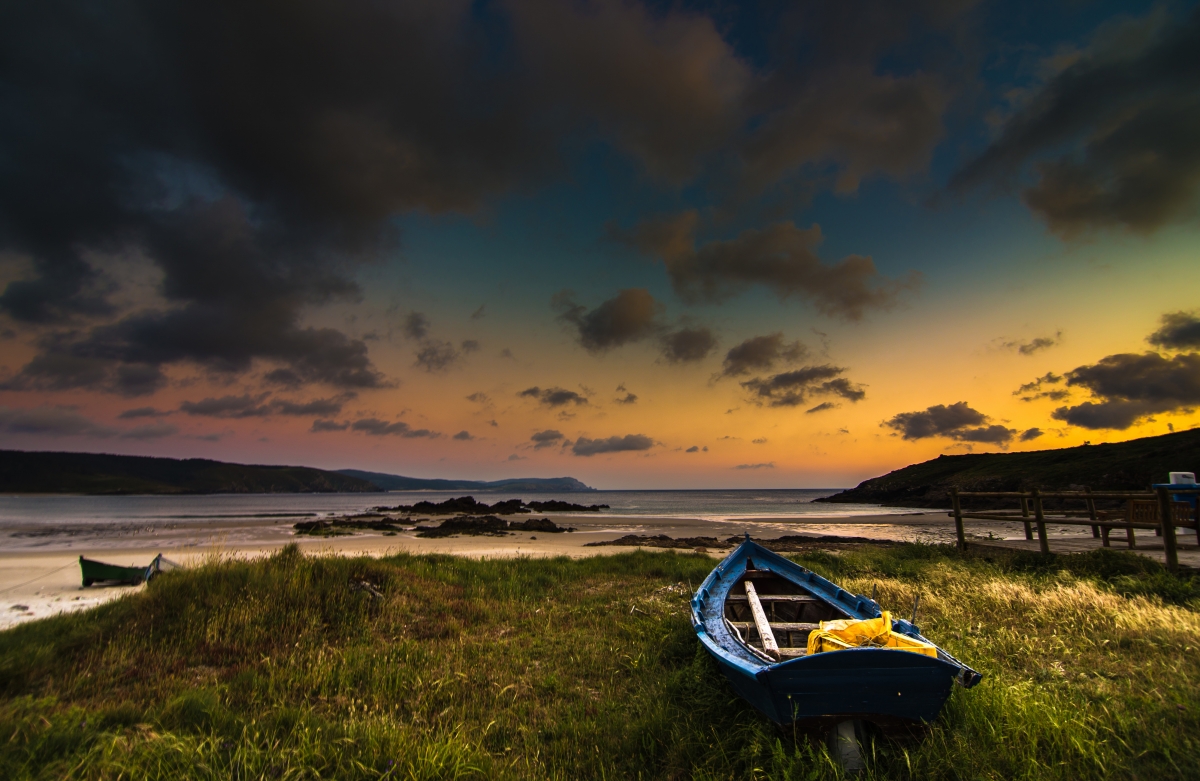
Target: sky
(644, 244)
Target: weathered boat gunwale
(773, 686)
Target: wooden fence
(1142, 510)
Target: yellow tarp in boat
(870, 633)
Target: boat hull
(99, 572)
(881, 683)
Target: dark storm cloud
(547, 438)
(252, 152)
(665, 86)
(1179, 331)
(1129, 387)
(51, 421)
(1129, 110)
(687, 345)
(379, 428)
(791, 389)
(615, 444)
(629, 316)
(957, 421)
(761, 353)
(553, 397)
(780, 257)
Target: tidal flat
(434, 666)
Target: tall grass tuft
(289, 667)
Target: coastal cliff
(1121, 466)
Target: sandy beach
(39, 566)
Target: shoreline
(40, 577)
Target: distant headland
(102, 473)
(1121, 466)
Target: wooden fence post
(1167, 522)
(1091, 505)
(1040, 517)
(1025, 516)
(958, 521)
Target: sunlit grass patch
(444, 667)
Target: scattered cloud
(629, 398)
(630, 316)
(463, 436)
(142, 412)
(257, 406)
(615, 444)
(319, 426)
(553, 397)
(244, 406)
(780, 257)
(761, 353)
(1031, 391)
(52, 422)
(515, 457)
(791, 389)
(479, 397)
(822, 407)
(1030, 434)
(378, 428)
(1129, 388)
(478, 313)
(957, 421)
(548, 438)
(1032, 346)
(688, 345)
(766, 465)
(436, 356)
(507, 353)
(759, 441)
(1179, 331)
(151, 431)
(416, 326)
(692, 449)
(470, 346)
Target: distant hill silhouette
(100, 473)
(522, 484)
(1121, 466)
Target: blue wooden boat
(780, 678)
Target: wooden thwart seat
(770, 647)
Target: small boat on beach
(99, 572)
(796, 646)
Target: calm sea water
(123, 518)
(712, 505)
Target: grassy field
(290, 667)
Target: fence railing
(1164, 516)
